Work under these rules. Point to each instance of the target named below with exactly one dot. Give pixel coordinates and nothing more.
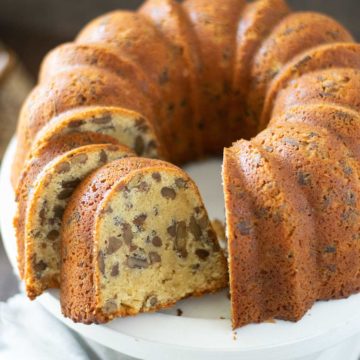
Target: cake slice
(101, 56)
(258, 19)
(171, 19)
(44, 151)
(46, 200)
(144, 239)
(215, 24)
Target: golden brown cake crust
(100, 56)
(344, 122)
(309, 153)
(137, 38)
(264, 281)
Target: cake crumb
(234, 335)
(179, 312)
(270, 321)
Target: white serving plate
(204, 330)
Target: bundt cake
(144, 240)
(177, 81)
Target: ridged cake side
(199, 75)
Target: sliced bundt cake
(43, 153)
(177, 81)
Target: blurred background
(32, 27)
